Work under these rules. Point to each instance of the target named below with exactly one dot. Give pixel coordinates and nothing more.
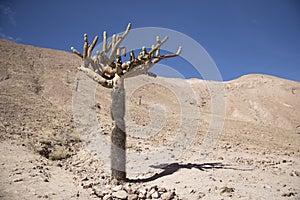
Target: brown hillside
(261, 131)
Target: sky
(240, 36)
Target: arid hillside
(248, 129)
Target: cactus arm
(91, 48)
(158, 45)
(96, 77)
(76, 52)
(85, 46)
(117, 42)
(156, 60)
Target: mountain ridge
(57, 71)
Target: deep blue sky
(241, 36)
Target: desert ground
(186, 139)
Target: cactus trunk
(118, 136)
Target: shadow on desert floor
(169, 169)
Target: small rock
(98, 105)
(227, 190)
(121, 194)
(200, 195)
(117, 188)
(161, 189)
(107, 197)
(132, 197)
(128, 188)
(18, 180)
(154, 187)
(105, 192)
(288, 194)
(142, 191)
(151, 191)
(168, 195)
(93, 192)
(267, 186)
(59, 165)
(141, 196)
(88, 185)
(155, 195)
(148, 196)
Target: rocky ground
(189, 139)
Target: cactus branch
(158, 45)
(76, 52)
(117, 41)
(96, 77)
(104, 47)
(92, 46)
(159, 58)
(85, 46)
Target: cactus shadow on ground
(169, 169)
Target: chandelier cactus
(107, 68)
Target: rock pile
(134, 191)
